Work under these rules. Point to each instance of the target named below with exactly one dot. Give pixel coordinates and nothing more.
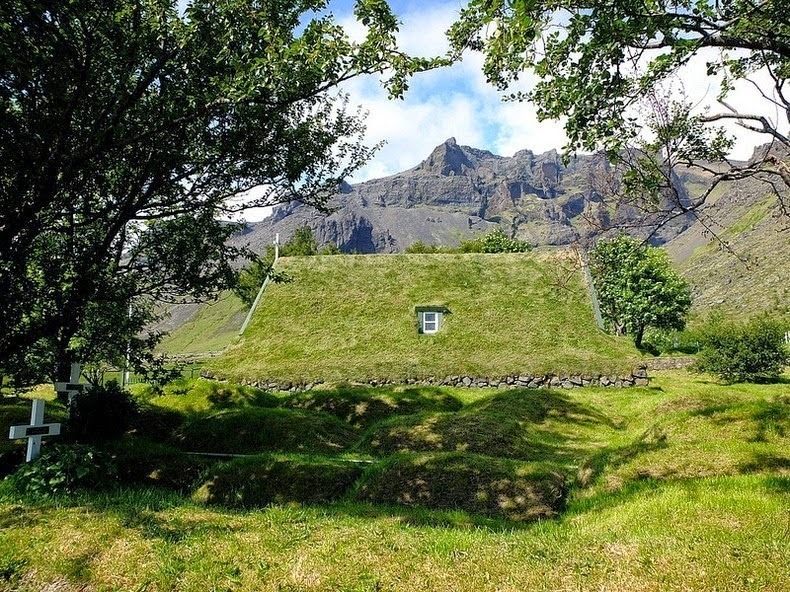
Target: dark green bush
(101, 414)
(743, 352)
(65, 468)
(494, 487)
(261, 480)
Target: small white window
(430, 322)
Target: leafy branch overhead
(128, 128)
(600, 65)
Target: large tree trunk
(640, 332)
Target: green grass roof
(353, 318)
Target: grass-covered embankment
(683, 485)
(353, 318)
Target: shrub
(496, 242)
(261, 480)
(743, 352)
(65, 468)
(100, 414)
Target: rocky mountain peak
(456, 193)
(447, 159)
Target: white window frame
(434, 322)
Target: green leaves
(126, 131)
(599, 63)
(754, 351)
(637, 288)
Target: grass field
(682, 485)
(353, 318)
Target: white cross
(35, 431)
(73, 386)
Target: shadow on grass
(768, 416)
(363, 406)
(612, 458)
(493, 487)
(423, 517)
(257, 481)
(523, 424)
(257, 430)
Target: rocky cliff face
(458, 191)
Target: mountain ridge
(455, 192)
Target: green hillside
(749, 275)
(353, 318)
(211, 328)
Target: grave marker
(35, 431)
(73, 386)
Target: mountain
(736, 256)
(458, 191)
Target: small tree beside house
(637, 287)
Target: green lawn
(353, 318)
(682, 485)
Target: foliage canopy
(128, 128)
(601, 62)
(637, 288)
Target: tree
(600, 61)
(637, 287)
(128, 128)
(754, 351)
(301, 244)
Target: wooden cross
(73, 386)
(35, 431)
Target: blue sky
(450, 102)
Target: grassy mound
(353, 318)
(262, 480)
(493, 487)
(202, 396)
(256, 430)
(361, 406)
(142, 462)
(518, 424)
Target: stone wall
(637, 377)
(673, 363)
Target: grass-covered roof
(353, 318)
